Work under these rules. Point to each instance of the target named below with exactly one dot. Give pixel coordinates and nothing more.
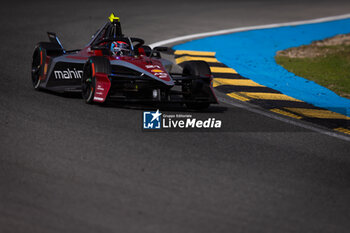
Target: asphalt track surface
(70, 167)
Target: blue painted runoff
(251, 54)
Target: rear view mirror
(163, 49)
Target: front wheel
(88, 84)
(94, 65)
(197, 88)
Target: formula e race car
(115, 67)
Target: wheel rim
(87, 86)
(36, 67)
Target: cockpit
(111, 38)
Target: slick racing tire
(38, 66)
(195, 68)
(42, 49)
(88, 82)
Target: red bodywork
(138, 76)
(103, 84)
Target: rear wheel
(37, 67)
(42, 50)
(197, 87)
(88, 82)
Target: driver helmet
(120, 48)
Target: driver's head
(120, 48)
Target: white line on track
(240, 29)
(247, 107)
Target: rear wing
(54, 39)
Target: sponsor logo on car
(152, 67)
(68, 74)
(157, 71)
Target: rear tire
(37, 66)
(42, 49)
(193, 87)
(88, 82)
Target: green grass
(331, 70)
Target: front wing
(129, 88)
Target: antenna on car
(113, 18)
(117, 28)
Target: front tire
(196, 87)
(88, 82)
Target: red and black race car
(115, 67)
